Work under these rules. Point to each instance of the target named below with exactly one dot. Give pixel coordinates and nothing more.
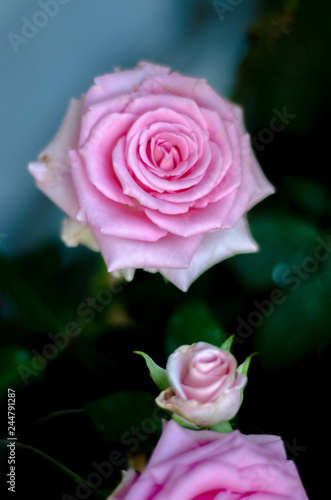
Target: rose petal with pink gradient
(156, 170)
(207, 465)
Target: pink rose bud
(205, 385)
(206, 465)
(156, 171)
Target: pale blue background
(84, 39)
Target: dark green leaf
(284, 241)
(123, 415)
(300, 324)
(191, 322)
(12, 357)
(29, 303)
(310, 195)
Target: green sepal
(226, 346)
(223, 427)
(243, 368)
(158, 374)
(185, 423)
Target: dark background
(271, 58)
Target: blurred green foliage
(191, 322)
(121, 411)
(288, 64)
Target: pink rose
(207, 465)
(205, 386)
(156, 170)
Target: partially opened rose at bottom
(156, 170)
(207, 465)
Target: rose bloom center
(163, 154)
(207, 362)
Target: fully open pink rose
(205, 386)
(207, 465)
(156, 170)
